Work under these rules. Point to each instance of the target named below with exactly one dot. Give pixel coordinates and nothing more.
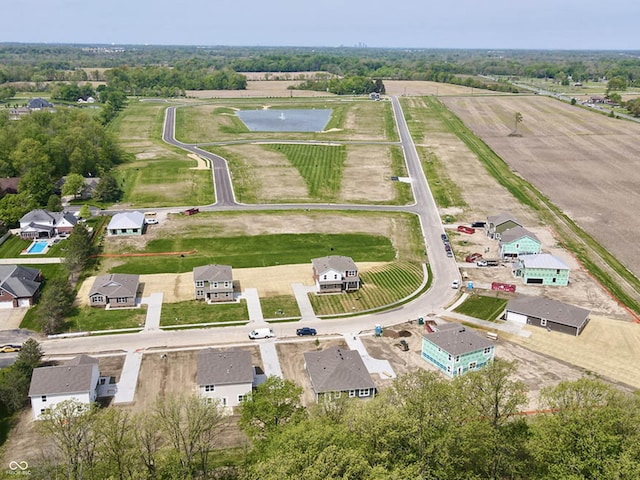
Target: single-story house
(335, 273)
(18, 285)
(547, 313)
(114, 290)
(518, 241)
(496, 224)
(542, 269)
(78, 380)
(38, 103)
(225, 375)
(334, 372)
(126, 223)
(213, 283)
(455, 349)
(45, 224)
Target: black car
(478, 224)
(306, 331)
(444, 237)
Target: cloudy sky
(504, 24)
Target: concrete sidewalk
(128, 378)
(253, 304)
(381, 367)
(270, 360)
(154, 309)
(306, 310)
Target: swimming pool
(38, 246)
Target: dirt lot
(586, 163)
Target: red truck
(191, 211)
(473, 257)
(465, 229)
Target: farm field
(286, 173)
(587, 164)
(158, 174)
(351, 119)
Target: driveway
(128, 378)
(381, 367)
(270, 360)
(302, 298)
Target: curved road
(440, 294)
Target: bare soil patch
(586, 163)
(411, 88)
(257, 89)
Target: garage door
(517, 317)
(6, 304)
(24, 302)
(534, 280)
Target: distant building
(38, 103)
(547, 313)
(455, 349)
(542, 269)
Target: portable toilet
(378, 330)
(469, 285)
(420, 321)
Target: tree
(272, 405)
(13, 208)
(518, 119)
(55, 304)
(116, 443)
(14, 387)
(30, 354)
(616, 83)
(54, 204)
(70, 426)
(73, 185)
(107, 189)
(633, 106)
(191, 423)
(85, 211)
(78, 249)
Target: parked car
(261, 333)
(455, 284)
(306, 331)
(478, 224)
(191, 211)
(488, 263)
(444, 237)
(10, 348)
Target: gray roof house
(496, 224)
(225, 375)
(18, 285)
(548, 313)
(41, 223)
(114, 290)
(335, 273)
(38, 103)
(455, 349)
(213, 283)
(86, 191)
(76, 380)
(518, 241)
(336, 371)
(126, 223)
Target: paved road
(443, 268)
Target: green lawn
(256, 251)
(194, 311)
(89, 319)
(14, 245)
(381, 286)
(49, 272)
(482, 307)
(281, 306)
(321, 166)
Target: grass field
(89, 319)
(279, 306)
(256, 251)
(352, 119)
(14, 245)
(380, 287)
(157, 175)
(192, 311)
(482, 307)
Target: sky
(491, 24)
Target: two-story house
(497, 224)
(542, 269)
(518, 241)
(455, 349)
(225, 375)
(213, 283)
(335, 273)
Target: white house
(126, 223)
(335, 273)
(78, 380)
(225, 376)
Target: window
(200, 293)
(223, 402)
(200, 283)
(364, 392)
(352, 393)
(98, 299)
(457, 358)
(487, 350)
(543, 322)
(121, 300)
(335, 276)
(215, 284)
(209, 388)
(324, 277)
(557, 271)
(226, 294)
(44, 398)
(226, 284)
(460, 370)
(215, 295)
(449, 368)
(472, 365)
(449, 357)
(241, 398)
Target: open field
(284, 173)
(352, 119)
(586, 164)
(159, 175)
(410, 88)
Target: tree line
(422, 426)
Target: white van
(150, 218)
(261, 333)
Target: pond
(266, 120)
